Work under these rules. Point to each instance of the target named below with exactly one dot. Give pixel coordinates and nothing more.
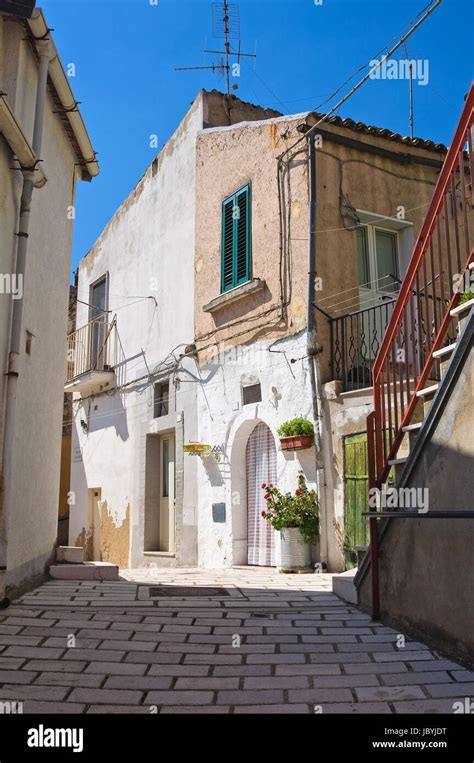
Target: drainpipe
(43, 48)
(313, 350)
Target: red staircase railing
(421, 319)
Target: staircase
(71, 566)
(425, 327)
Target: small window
(161, 407)
(377, 258)
(236, 252)
(251, 394)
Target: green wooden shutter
(227, 264)
(236, 259)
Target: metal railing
(421, 322)
(92, 347)
(355, 339)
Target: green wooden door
(356, 496)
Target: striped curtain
(261, 467)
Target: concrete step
(413, 431)
(444, 350)
(71, 554)
(85, 571)
(343, 586)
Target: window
(161, 407)
(236, 252)
(251, 394)
(377, 258)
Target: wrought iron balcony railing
(90, 348)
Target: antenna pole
(410, 66)
(227, 45)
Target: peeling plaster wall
(31, 515)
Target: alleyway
(267, 643)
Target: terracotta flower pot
(295, 552)
(297, 442)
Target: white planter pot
(295, 552)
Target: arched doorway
(261, 467)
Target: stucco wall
(349, 177)
(31, 509)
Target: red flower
(264, 485)
(270, 485)
(264, 513)
(297, 492)
(267, 496)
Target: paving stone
(424, 706)
(179, 698)
(389, 693)
(145, 683)
(179, 670)
(210, 682)
(117, 668)
(79, 643)
(44, 693)
(105, 634)
(55, 666)
(436, 677)
(195, 709)
(251, 697)
(319, 696)
(276, 682)
(10, 629)
(166, 646)
(273, 709)
(121, 709)
(69, 679)
(350, 708)
(276, 658)
(457, 690)
(458, 675)
(349, 682)
(376, 667)
(32, 652)
(307, 669)
(152, 657)
(129, 646)
(16, 677)
(402, 654)
(11, 663)
(433, 664)
(342, 657)
(94, 654)
(107, 696)
(33, 707)
(213, 659)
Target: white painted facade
(224, 420)
(30, 466)
(146, 252)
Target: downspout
(43, 48)
(313, 350)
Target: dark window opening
(251, 394)
(161, 407)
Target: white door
(167, 524)
(261, 468)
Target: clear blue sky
(125, 52)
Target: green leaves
(295, 427)
(300, 509)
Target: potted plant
(296, 434)
(296, 516)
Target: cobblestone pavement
(267, 643)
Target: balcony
(91, 357)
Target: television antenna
(225, 26)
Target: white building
(44, 151)
(134, 489)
